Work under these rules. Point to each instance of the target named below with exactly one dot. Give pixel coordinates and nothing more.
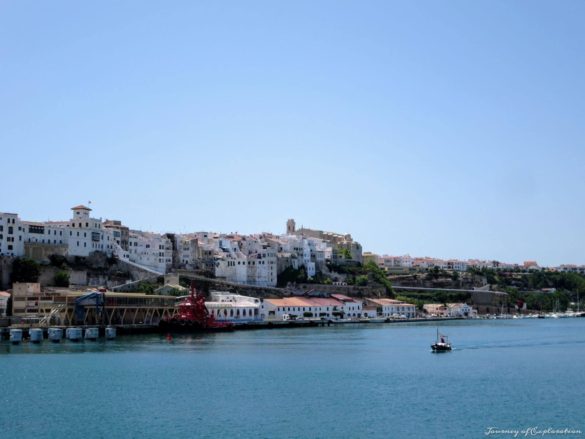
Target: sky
(451, 129)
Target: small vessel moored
(92, 334)
(441, 344)
(15, 335)
(35, 335)
(110, 333)
(55, 334)
(73, 334)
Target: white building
(227, 307)
(244, 259)
(12, 235)
(300, 307)
(48, 233)
(351, 307)
(150, 250)
(460, 310)
(86, 234)
(392, 308)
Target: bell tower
(290, 227)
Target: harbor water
(346, 381)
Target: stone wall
(41, 252)
(5, 272)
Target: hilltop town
(85, 251)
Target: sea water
(350, 381)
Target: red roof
(81, 206)
(342, 298)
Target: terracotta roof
(303, 301)
(81, 206)
(385, 301)
(342, 298)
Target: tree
(25, 270)
(361, 281)
(291, 275)
(345, 253)
(61, 279)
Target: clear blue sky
(441, 128)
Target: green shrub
(61, 279)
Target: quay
(135, 329)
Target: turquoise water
(374, 381)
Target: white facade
(234, 308)
(87, 234)
(49, 233)
(351, 307)
(12, 235)
(151, 250)
(460, 310)
(244, 259)
(392, 308)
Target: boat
(441, 344)
(193, 317)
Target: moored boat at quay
(192, 317)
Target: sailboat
(441, 344)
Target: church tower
(290, 227)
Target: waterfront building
(351, 307)
(407, 310)
(299, 307)
(435, 309)
(460, 310)
(392, 308)
(28, 300)
(369, 311)
(228, 307)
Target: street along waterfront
(339, 381)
